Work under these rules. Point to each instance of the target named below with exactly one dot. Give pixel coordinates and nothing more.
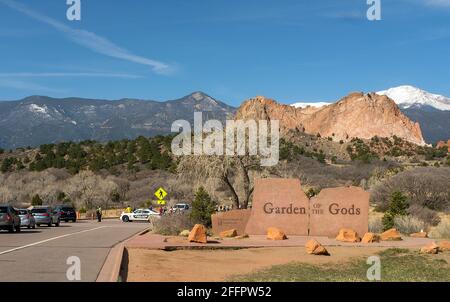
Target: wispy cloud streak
(90, 40)
(66, 75)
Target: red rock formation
(356, 115)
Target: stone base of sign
(224, 221)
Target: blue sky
(290, 50)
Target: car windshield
(23, 212)
(39, 211)
(3, 210)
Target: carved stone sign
(225, 221)
(337, 208)
(279, 203)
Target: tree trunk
(234, 195)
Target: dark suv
(67, 213)
(9, 219)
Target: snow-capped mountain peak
(316, 105)
(409, 96)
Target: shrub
(375, 224)
(172, 225)
(428, 216)
(409, 224)
(442, 231)
(425, 186)
(202, 208)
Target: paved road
(41, 254)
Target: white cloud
(91, 40)
(28, 86)
(66, 74)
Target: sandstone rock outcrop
(198, 234)
(275, 234)
(370, 238)
(356, 115)
(431, 248)
(313, 247)
(228, 234)
(419, 235)
(348, 235)
(391, 235)
(444, 246)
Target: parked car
(46, 215)
(9, 219)
(26, 219)
(180, 207)
(67, 213)
(139, 215)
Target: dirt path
(220, 265)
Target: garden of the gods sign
(282, 203)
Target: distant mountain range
(431, 111)
(39, 120)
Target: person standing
(99, 214)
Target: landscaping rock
(229, 234)
(275, 234)
(313, 247)
(391, 235)
(419, 235)
(370, 238)
(185, 233)
(444, 246)
(245, 236)
(198, 234)
(432, 248)
(348, 235)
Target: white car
(139, 215)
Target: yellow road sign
(162, 202)
(160, 194)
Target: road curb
(110, 271)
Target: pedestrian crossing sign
(160, 194)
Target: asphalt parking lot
(40, 255)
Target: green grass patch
(397, 265)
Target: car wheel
(74, 220)
(57, 223)
(126, 219)
(11, 229)
(66, 221)
(29, 227)
(18, 229)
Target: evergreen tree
(398, 206)
(202, 208)
(36, 201)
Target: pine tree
(36, 201)
(202, 208)
(398, 206)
